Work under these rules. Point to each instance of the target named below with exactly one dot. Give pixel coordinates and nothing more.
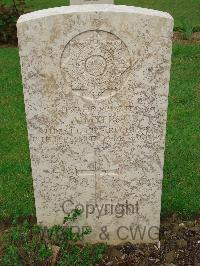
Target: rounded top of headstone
(92, 8)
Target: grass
(16, 193)
(181, 186)
(181, 173)
(181, 10)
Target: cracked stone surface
(96, 83)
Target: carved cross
(96, 171)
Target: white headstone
(95, 88)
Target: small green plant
(8, 19)
(187, 30)
(28, 244)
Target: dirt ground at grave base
(179, 245)
(178, 38)
(1, 252)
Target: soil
(1, 234)
(178, 38)
(179, 245)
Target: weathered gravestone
(95, 88)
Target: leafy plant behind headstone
(8, 18)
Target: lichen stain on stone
(55, 32)
(50, 85)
